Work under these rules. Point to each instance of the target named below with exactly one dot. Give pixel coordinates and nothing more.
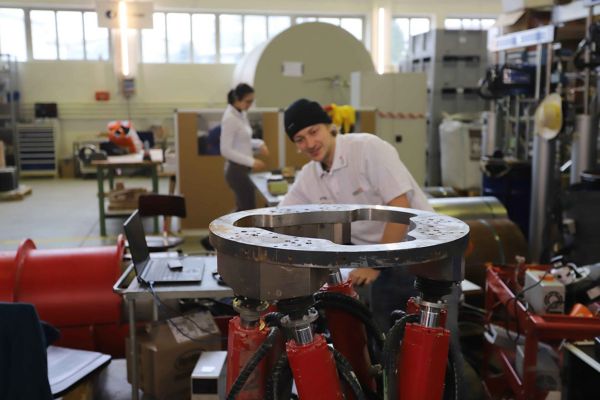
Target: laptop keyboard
(159, 271)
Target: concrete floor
(63, 213)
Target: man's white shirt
(365, 170)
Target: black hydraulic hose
(279, 384)
(390, 354)
(253, 363)
(353, 307)
(453, 381)
(273, 319)
(347, 374)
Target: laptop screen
(134, 230)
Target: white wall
(162, 88)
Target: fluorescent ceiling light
(381, 40)
(124, 44)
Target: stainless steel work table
(259, 180)
(208, 288)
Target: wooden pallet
(17, 194)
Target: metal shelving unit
(9, 108)
(37, 148)
(454, 61)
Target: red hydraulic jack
(422, 361)
(311, 361)
(246, 334)
(354, 347)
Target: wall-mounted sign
(292, 69)
(139, 14)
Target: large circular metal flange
(250, 235)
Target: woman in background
(239, 148)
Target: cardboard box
(67, 168)
(166, 357)
(515, 5)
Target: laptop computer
(158, 270)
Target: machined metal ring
(274, 253)
(253, 235)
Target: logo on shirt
(357, 191)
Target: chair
(167, 206)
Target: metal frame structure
(551, 328)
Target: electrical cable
(515, 299)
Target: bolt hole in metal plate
(260, 235)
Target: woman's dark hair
(239, 92)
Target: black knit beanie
(303, 113)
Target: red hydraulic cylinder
(241, 345)
(349, 337)
(314, 371)
(422, 366)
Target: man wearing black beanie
(357, 168)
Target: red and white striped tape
(400, 115)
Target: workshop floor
(64, 213)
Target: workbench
(105, 169)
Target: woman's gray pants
(239, 181)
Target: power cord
(515, 299)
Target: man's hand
(363, 276)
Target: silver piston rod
(430, 313)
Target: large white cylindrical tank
(312, 60)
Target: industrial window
(230, 38)
(402, 30)
(96, 39)
(12, 33)
(277, 24)
(328, 20)
(154, 45)
(225, 38)
(468, 23)
(179, 38)
(255, 31)
(301, 20)
(204, 38)
(67, 35)
(43, 35)
(70, 35)
(354, 26)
